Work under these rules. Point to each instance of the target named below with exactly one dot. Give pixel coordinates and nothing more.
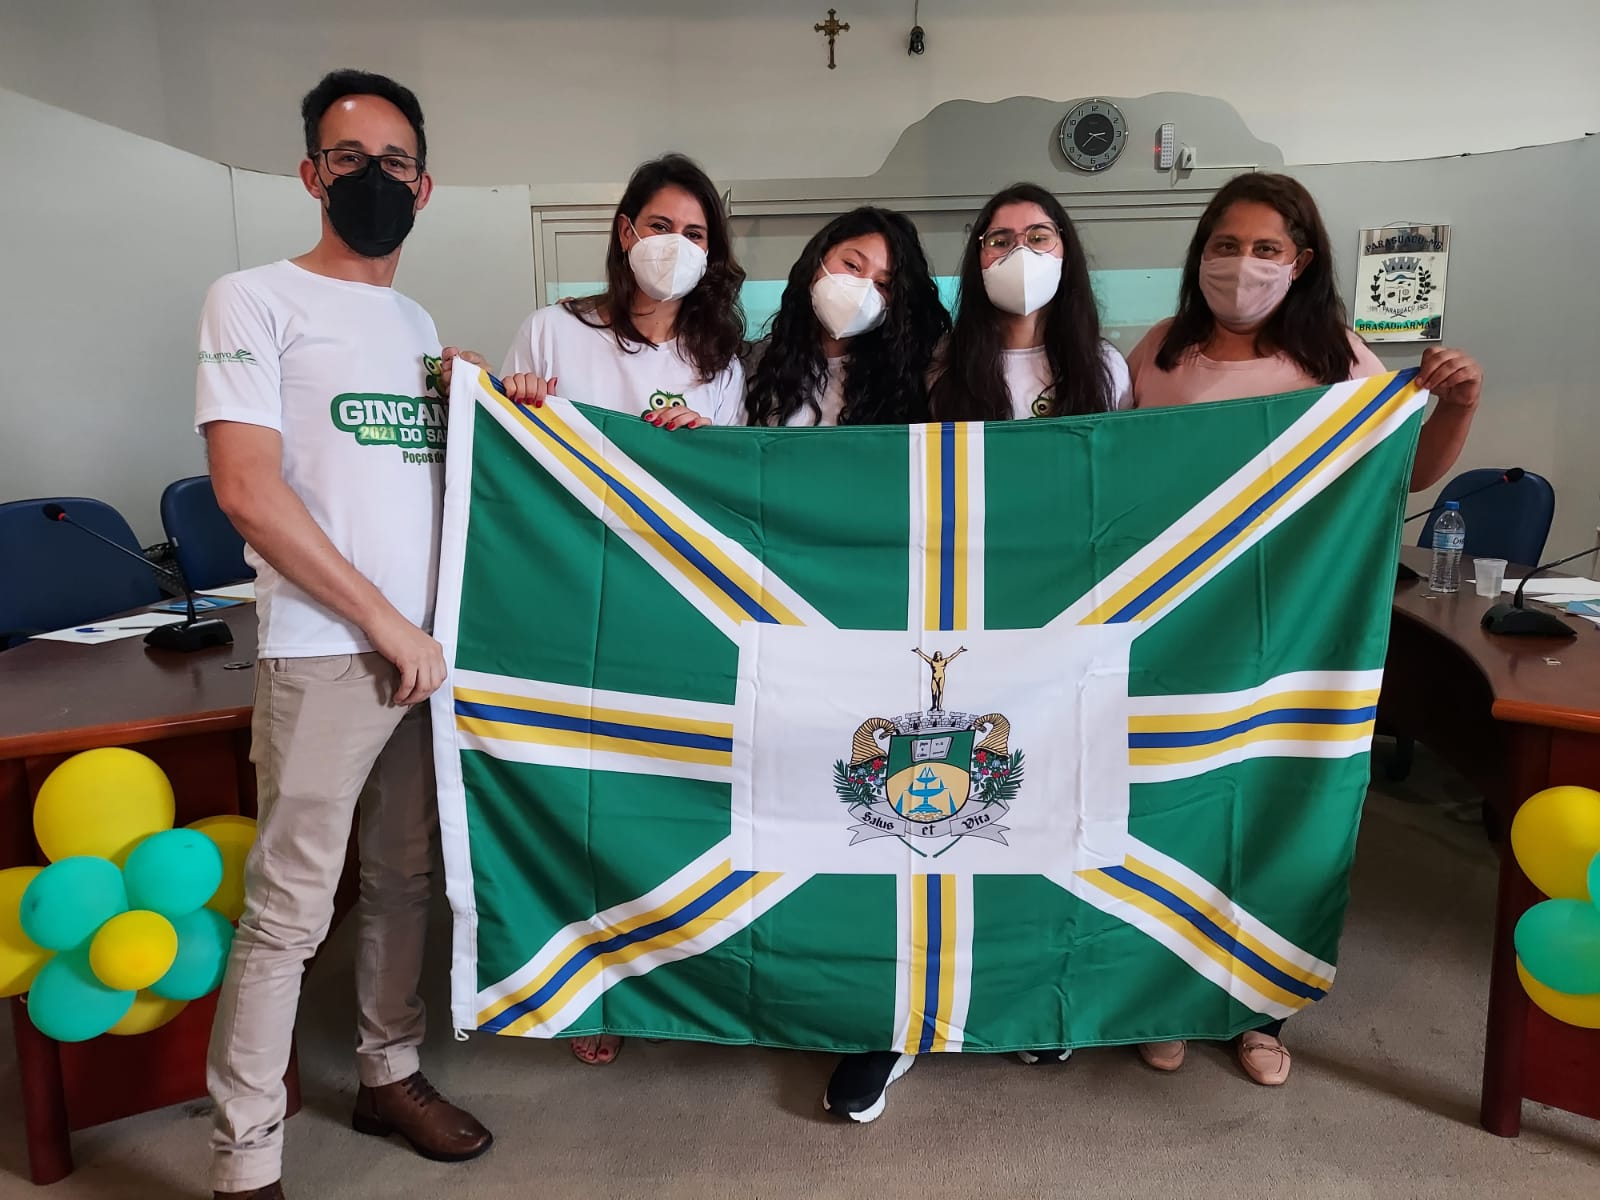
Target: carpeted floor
(1383, 1101)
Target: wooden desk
(191, 714)
(1514, 715)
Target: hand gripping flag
(948, 737)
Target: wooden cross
(833, 27)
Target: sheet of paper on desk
(113, 630)
(247, 591)
(1550, 589)
(202, 603)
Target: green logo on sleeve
(229, 356)
(414, 423)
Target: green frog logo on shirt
(433, 368)
(662, 400)
(1043, 405)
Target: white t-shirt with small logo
(590, 368)
(1028, 378)
(341, 370)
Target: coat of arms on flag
(963, 736)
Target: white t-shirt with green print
(1028, 377)
(342, 371)
(590, 368)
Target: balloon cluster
(132, 919)
(1556, 838)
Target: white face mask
(1022, 282)
(846, 304)
(666, 266)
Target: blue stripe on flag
(637, 733)
(702, 564)
(947, 525)
(644, 933)
(931, 966)
(1277, 716)
(1228, 532)
(1215, 933)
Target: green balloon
(70, 899)
(173, 872)
(68, 1003)
(203, 940)
(1558, 942)
(1594, 880)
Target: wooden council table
(1514, 715)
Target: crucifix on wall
(833, 27)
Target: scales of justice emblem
(932, 776)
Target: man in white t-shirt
(319, 394)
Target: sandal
(602, 1049)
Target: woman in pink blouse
(1259, 313)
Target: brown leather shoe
(273, 1191)
(435, 1128)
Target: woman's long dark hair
(885, 379)
(973, 386)
(710, 327)
(1310, 325)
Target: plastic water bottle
(1449, 539)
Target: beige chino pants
(325, 738)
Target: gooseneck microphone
(192, 633)
(1510, 476)
(1518, 621)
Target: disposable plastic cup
(1490, 574)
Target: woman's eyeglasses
(1040, 238)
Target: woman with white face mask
(667, 331)
(856, 330)
(1027, 339)
(1259, 313)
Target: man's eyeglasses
(400, 167)
(1041, 238)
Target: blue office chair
(57, 576)
(208, 548)
(1511, 521)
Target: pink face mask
(1244, 291)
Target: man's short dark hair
(336, 85)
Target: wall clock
(1093, 134)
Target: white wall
(108, 243)
(532, 90)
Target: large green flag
(949, 737)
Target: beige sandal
(1264, 1058)
(1163, 1056)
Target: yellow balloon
(132, 950)
(149, 1011)
(234, 835)
(101, 803)
(20, 958)
(1583, 1011)
(1554, 836)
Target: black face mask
(371, 212)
